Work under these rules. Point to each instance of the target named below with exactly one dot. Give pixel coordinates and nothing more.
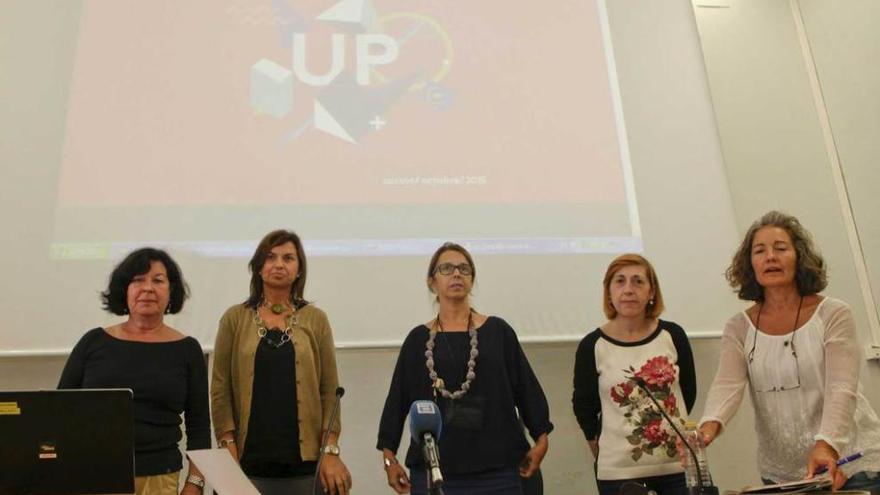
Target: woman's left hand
(335, 477)
(823, 455)
(532, 461)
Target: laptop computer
(66, 442)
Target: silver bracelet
(196, 480)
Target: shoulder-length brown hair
(271, 240)
(811, 276)
(655, 307)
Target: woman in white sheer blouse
(800, 355)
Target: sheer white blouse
(804, 386)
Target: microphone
(425, 426)
(335, 412)
(694, 490)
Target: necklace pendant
(277, 308)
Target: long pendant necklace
(437, 383)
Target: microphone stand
(335, 412)
(700, 489)
(432, 465)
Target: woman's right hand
(397, 478)
(823, 455)
(710, 430)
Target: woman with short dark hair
(800, 355)
(164, 368)
(473, 367)
(274, 379)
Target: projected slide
(371, 127)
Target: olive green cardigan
(316, 378)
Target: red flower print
(621, 391)
(657, 372)
(649, 434)
(654, 432)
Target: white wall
(771, 133)
(683, 196)
(845, 46)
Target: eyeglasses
(775, 370)
(449, 269)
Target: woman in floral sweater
(626, 434)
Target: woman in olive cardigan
(274, 378)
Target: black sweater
(504, 383)
(168, 378)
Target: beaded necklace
(438, 385)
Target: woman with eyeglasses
(473, 367)
(799, 353)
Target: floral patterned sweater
(634, 440)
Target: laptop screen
(67, 442)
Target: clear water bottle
(695, 439)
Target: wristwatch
(223, 443)
(331, 449)
(196, 480)
(389, 461)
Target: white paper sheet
(222, 472)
